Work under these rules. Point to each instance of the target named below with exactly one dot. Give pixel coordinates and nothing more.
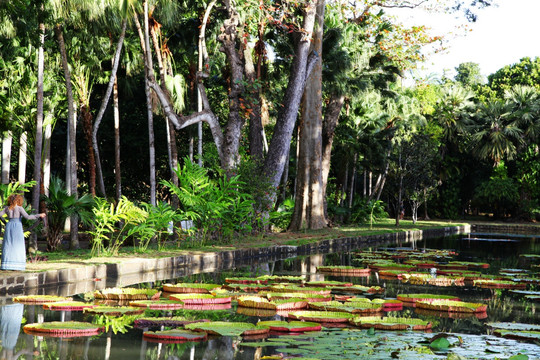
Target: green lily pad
(63, 329)
(390, 323)
(292, 326)
(114, 310)
(157, 304)
(40, 299)
(225, 328)
(175, 335)
(120, 294)
(190, 288)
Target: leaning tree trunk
(151, 146)
(6, 157)
(104, 103)
(309, 202)
(301, 67)
(38, 144)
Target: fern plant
(107, 238)
(218, 208)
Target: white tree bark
(6, 156)
(23, 145)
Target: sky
(502, 35)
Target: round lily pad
(451, 306)
(200, 299)
(174, 336)
(63, 329)
(190, 288)
(40, 299)
(321, 316)
(158, 304)
(225, 328)
(123, 294)
(174, 322)
(344, 270)
(68, 306)
(390, 323)
(114, 311)
(412, 298)
(292, 326)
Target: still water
(471, 339)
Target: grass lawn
(74, 258)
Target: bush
(499, 194)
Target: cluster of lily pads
(302, 307)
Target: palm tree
(497, 137)
(61, 206)
(525, 103)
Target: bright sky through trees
(502, 35)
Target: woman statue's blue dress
(13, 249)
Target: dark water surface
(500, 251)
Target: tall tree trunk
(151, 142)
(104, 103)
(301, 67)
(74, 235)
(353, 179)
(23, 145)
(6, 156)
(309, 203)
(117, 167)
(331, 118)
(38, 143)
(47, 158)
(87, 127)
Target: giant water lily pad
(158, 304)
(174, 336)
(321, 316)
(40, 299)
(328, 283)
(390, 323)
(282, 278)
(299, 289)
(451, 306)
(114, 310)
(190, 288)
(273, 296)
(63, 329)
(344, 270)
(175, 321)
(245, 280)
(200, 299)
(123, 294)
(412, 298)
(499, 284)
(352, 307)
(292, 326)
(225, 328)
(68, 306)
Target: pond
(466, 335)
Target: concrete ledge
(67, 282)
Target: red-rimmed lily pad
(328, 284)
(263, 303)
(299, 289)
(390, 323)
(225, 328)
(63, 329)
(175, 321)
(273, 296)
(40, 299)
(114, 310)
(391, 266)
(450, 315)
(321, 316)
(68, 306)
(175, 336)
(344, 270)
(246, 287)
(190, 288)
(499, 284)
(291, 326)
(412, 298)
(358, 289)
(245, 280)
(256, 312)
(389, 304)
(451, 306)
(200, 299)
(282, 278)
(352, 307)
(208, 307)
(158, 304)
(122, 294)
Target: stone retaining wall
(506, 228)
(68, 282)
